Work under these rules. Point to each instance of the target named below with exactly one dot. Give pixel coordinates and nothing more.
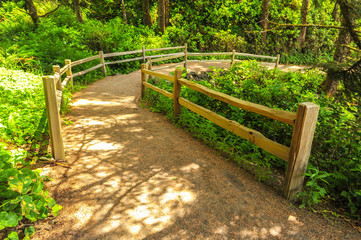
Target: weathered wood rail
(304, 120)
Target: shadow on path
(134, 175)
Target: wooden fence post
(185, 56)
(303, 132)
(69, 72)
(277, 61)
(233, 55)
(104, 69)
(143, 53)
(150, 66)
(176, 93)
(56, 137)
(56, 70)
(150, 63)
(144, 79)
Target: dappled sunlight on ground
(133, 175)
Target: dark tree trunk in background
(264, 18)
(304, 13)
(163, 14)
(166, 12)
(332, 80)
(32, 12)
(335, 13)
(124, 13)
(147, 21)
(77, 11)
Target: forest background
(36, 34)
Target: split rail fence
(304, 120)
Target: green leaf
(55, 210)
(29, 231)
(10, 219)
(13, 236)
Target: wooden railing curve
(304, 121)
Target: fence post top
(309, 105)
(48, 77)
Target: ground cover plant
(334, 168)
(23, 127)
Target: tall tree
(304, 13)
(32, 11)
(163, 14)
(264, 18)
(79, 15)
(349, 12)
(147, 21)
(124, 13)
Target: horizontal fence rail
(303, 122)
(55, 84)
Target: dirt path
(134, 175)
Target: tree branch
(349, 25)
(278, 25)
(352, 48)
(48, 13)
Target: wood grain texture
(164, 92)
(69, 72)
(249, 134)
(276, 114)
(163, 49)
(176, 93)
(101, 57)
(88, 70)
(122, 53)
(54, 123)
(75, 63)
(159, 75)
(64, 69)
(178, 55)
(256, 56)
(56, 72)
(124, 60)
(210, 54)
(300, 150)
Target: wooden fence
(304, 122)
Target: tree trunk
(32, 12)
(124, 13)
(166, 13)
(147, 21)
(330, 84)
(161, 15)
(77, 11)
(264, 18)
(304, 13)
(335, 12)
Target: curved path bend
(134, 175)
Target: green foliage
(336, 149)
(22, 194)
(21, 107)
(22, 124)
